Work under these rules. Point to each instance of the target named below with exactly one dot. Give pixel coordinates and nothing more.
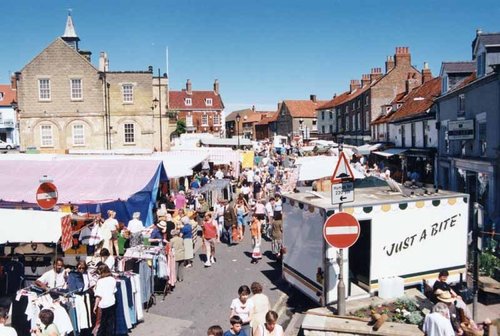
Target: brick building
(201, 110)
(247, 127)
(351, 112)
(66, 103)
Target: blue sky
(262, 51)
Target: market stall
(216, 190)
(29, 240)
(95, 184)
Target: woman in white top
(112, 225)
(243, 307)
(105, 300)
(108, 259)
(270, 327)
(5, 331)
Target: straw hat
(444, 296)
(162, 225)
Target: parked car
(6, 145)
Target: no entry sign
(46, 195)
(341, 230)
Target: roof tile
(419, 100)
(7, 95)
(177, 100)
(303, 108)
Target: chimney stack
(188, 86)
(411, 82)
(216, 87)
(13, 81)
(376, 73)
(253, 108)
(389, 64)
(426, 73)
(365, 80)
(355, 84)
(312, 98)
(103, 62)
(402, 56)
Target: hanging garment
(120, 322)
(136, 280)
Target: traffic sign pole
(340, 262)
(341, 285)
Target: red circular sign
(341, 230)
(46, 195)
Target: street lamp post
(238, 118)
(157, 103)
(301, 122)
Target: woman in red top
(210, 235)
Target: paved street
(204, 297)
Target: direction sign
(342, 172)
(46, 196)
(342, 193)
(341, 230)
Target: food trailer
(405, 234)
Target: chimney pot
(188, 86)
(312, 98)
(426, 73)
(216, 86)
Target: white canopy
(180, 163)
(25, 226)
(316, 167)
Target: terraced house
(347, 117)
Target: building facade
(66, 103)
(297, 118)
(9, 126)
(469, 119)
(202, 111)
(352, 115)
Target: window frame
(218, 119)
(203, 117)
(209, 102)
(74, 134)
(45, 137)
(461, 105)
(188, 101)
(127, 97)
(74, 90)
(190, 118)
(129, 132)
(47, 89)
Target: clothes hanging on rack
(11, 276)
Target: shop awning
(25, 226)
(391, 151)
(367, 148)
(317, 167)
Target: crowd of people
(253, 208)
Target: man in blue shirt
(236, 323)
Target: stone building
(468, 123)
(297, 118)
(66, 103)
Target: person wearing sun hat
(157, 235)
(447, 298)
